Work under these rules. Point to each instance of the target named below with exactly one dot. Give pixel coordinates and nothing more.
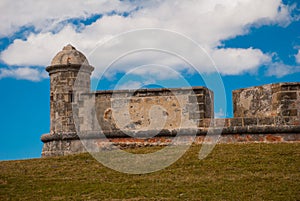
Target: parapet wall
(282, 99)
(145, 109)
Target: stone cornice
(69, 67)
(259, 130)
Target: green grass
(230, 172)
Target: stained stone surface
(281, 99)
(69, 55)
(144, 109)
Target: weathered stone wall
(72, 146)
(145, 109)
(153, 117)
(63, 81)
(282, 99)
(234, 130)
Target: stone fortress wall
(145, 109)
(281, 99)
(146, 117)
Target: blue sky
(251, 43)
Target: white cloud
(24, 73)
(297, 56)
(206, 22)
(232, 61)
(46, 15)
(156, 72)
(280, 69)
(38, 49)
(131, 85)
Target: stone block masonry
(281, 99)
(153, 117)
(145, 109)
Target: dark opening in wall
(71, 98)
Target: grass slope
(230, 172)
